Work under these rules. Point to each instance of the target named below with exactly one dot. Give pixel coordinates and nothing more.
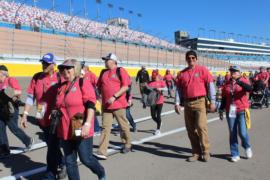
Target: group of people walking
(65, 102)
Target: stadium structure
(229, 50)
(26, 33)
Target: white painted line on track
(149, 117)
(35, 147)
(110, 151)
(43, 144)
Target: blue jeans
(14, 128)
(84, 148)
(54, 156)
(130, 118)
(96, 125)
(235, 125)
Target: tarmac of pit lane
(157, 157)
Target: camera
(56, 116)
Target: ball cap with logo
(3, 68)
(48, 58)
(110, 56)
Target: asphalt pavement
(161, 157)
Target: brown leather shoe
(193, 158)
(206, 157)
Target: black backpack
(118, 74)
(7, 106)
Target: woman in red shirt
(76, 97)
(159, 85)
(235, 101)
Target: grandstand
(28, 32)
(245, 54)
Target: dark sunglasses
(45, 63)
(62, 68)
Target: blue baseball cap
(48, 58)
(235, 68)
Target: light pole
(70, 7)
(42, 22)
(128, 42)
(239, 37)
(84, 9)
(110, 6)
(214, 33)
(199, 32)
(53, 5)
(84, 38)
(98, 2)
(66, 26)
(15, 22)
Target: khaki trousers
(107, 119)
(196, 124)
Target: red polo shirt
(262, 76)
(43, 87)
(70, 106)
(10, 82)
(192, 81)
(240, 95)
(109, 84)
(158, 84)
(90, 76)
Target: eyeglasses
(191, 57)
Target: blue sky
(244, 18)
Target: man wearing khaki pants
(113, 83)
(193, 85)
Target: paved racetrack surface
(160, 157)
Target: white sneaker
(157, 132)
(235, 158)
(249, 153)
(100, 156)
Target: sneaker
(102, 178)
(249, 153)
(193, 158)
(157, 132)
(100, 156)
(98, 133)
(235, 158)
(62, 172)
(30, 145)
(206, 157)
(126, 150)
(134, 129)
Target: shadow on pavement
(20, 163)
(221, 156)
(162, 150)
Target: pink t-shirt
(240, 95)
(91, 77)
(44, 89)
(109, 84)
(70, 106)
(168, 77)
(262, 76)
(10, 82)
(192, 82)
(158, 84)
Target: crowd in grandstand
(13, 12)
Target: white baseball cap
(110, 56)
